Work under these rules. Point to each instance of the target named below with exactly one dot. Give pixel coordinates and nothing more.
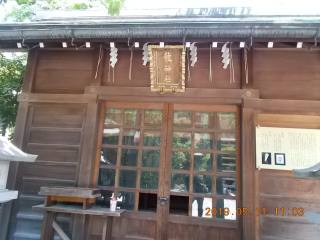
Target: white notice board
(287, 148)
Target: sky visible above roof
(257, 7)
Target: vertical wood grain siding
(283, 74)
(199, 73)
(63, 71)
(54, 132)
(281, 189)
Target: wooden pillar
(87, 161)
(248, 174)
(107, 228)
(47, 231)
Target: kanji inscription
(167, 68)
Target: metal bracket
(163, 201)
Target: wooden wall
(281, 189)
(58, 114)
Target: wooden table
(49, 224)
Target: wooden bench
(49, 224)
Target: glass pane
(199, 205)
(128, 178)
(152, 138)
(226, 186)
(226, 163)
(149, 180)
(203, 141)
(182, 119)
(226, 141)
(180, 160)
(153, 118)
(132, 117)
(180, 182)
(150, 158)
(129, 157)
(228, 209)
(203, 162)
(126, 200)
(106, 177)
(226, 121)
(131, 137)
(202, 184)
(108, 156)
(113, 116)
(181, 140)
(104, 199)
(111, 136)
(204, 120)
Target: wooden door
(167, 163)
(202, 173)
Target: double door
(174, 166)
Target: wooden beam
(296, 105)
(107, 228)
(248, 174)
(60, 231)
(190, 92)
(30, 71)
(47, 223)
(57, 98)
(247, 76)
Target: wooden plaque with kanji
(167, 68)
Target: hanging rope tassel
(109, 69)
(130, 69)
(246, 64)
(231, 65)
(99, 60)
(189, 75)
(210, 72)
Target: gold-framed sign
(167, 68)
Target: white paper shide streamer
(225, 56)
(113, 56)
(193, 54)
(145, 54)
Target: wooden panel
(140, 74)
(50, 171)
(290, 187)
(61, 121)
(220, 77)
(54, 153)
(291, 75)
(141, 229)
(282, 229)
(63, 70)
(55, 137)
(199, 73)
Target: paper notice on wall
(287, 148)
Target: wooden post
(107, 228)
(248, 173)
(47, 230)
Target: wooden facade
(62, 109)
